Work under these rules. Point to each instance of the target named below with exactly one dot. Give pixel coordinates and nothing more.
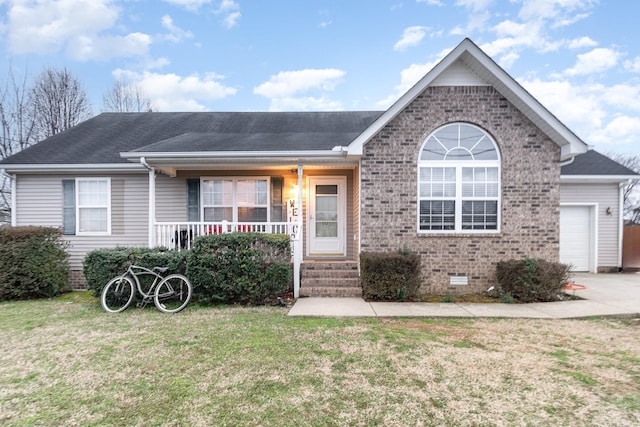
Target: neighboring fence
(631, 247)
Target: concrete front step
(331, 291)
(337, 282)
(330, 279)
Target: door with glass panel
(327, 216)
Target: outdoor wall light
(609, 211)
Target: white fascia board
(73, 168)
(602, 179)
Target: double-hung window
(459, 181)
(235, 199)
(87, 206)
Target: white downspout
(620, 222)
(14, 197)
(152, 200)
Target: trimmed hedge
(390, 276)
(101, 265)
(532, 280)
(33, 263)
(245, 268)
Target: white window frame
(235, 205)
(80, 207)
(458, 199)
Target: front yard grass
(66, 362)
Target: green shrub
(389, 276)
(33, 263)
(101, 265)
(244, 268)
(532, 280)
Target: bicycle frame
(134, 272)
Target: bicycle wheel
(173, 293)
(117, 295)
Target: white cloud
(579, 107)
(171, 92)
(622, 130)
(287, 83)
(78, 27)
(191, 5)
(288, 89)
(582, 42)
(103, 48)
(230, 10)
(585, 109)
(633, 65)
(176, 34)
(431, 2)
(410, 37)
(595, 61)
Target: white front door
(327, 216)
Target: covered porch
(314, 204)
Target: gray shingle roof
(593, 163)
(102, 138)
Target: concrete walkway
(606, 295)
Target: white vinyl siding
(602, 196)
(171, 199)
(39, 202)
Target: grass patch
(66, 362)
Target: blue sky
(580, 58)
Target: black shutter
(69, 206)
(193, 200)
(277, 211)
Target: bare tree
(122, 98)
(631, 191)
(17, 128)
(59, 101)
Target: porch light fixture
(609, 211)
(295, 190)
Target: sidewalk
(615, 295)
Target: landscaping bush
(33, 263)
(532, 280)
(101, 265)
(389, 276)
(244, 268)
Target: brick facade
(530, 189)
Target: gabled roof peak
(485, 69)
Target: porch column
(297, 244)
(152, 202)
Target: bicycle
(169, 294)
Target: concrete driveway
(620, 290)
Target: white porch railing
(180, 235)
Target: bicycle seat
(160, 269)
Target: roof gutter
(214, 155)
(72, 168)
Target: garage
(577, 237)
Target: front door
(327, 216)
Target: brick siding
(530, 189)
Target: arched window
(459, 181)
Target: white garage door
(575, 237)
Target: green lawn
(65, 362)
